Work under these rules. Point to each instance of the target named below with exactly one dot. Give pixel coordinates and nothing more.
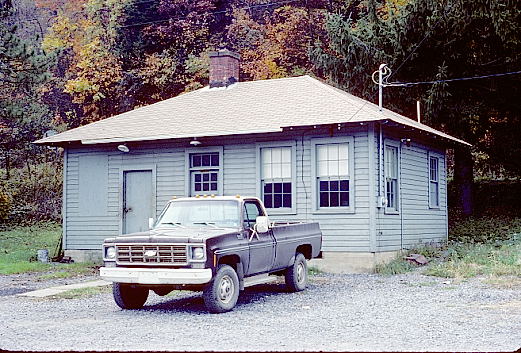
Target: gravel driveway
(408, 312)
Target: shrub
(484, 229)
(5, 205)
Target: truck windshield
(211, 213)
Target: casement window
(205, 172)
(332, 160)
(276, 175)
(434, 184)
(391, 178)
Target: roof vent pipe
(418, 110)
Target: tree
(423, 40)
(22, 71)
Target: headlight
(110, 252)
(197, 253)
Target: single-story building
(374, 180)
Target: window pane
(343, 168)
(286, 200)
(333, 199)
(286, 170)
(333, 185)
(197, 177)
(322, 153)
(324, 185)
(322, 168)
(277, 200)
(324, 199)
(196, 160)
(333, 168)
(286, 188)
(213, 186)
(206, 186)
(343, 152)
(344, 185)
(215, 160)
(268, 200)
(277, 187)
(197, 186)
(266, 171)
(213, 176)
(332, 152)
(268, 188)
(205, 160)
(286, 155)
(276, 171)
(276, 155)
(266, 155)
(344, 199)
(206, 177)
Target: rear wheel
(296, 276)
(129, 296)
(221, 294)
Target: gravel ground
(408, 312)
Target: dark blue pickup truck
(217, 245)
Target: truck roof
(213, 197)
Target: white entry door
(137, 200)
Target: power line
(406, 84)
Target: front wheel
(221, 294)
(129, 296)
(296, 276)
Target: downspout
(64, 201)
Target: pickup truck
(217, 245)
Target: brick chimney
(224, 68)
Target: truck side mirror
(150, 223)
(262, 224)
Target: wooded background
(66, 63)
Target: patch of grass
(18, 252)
(19, 245)
(506, 282)
(313, 271)
(82, 292)
(396, 266)
(470, 260)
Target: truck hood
(173, 235)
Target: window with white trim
(434, 184)
(391, 177)
(276, 177)
(204, 173)
(332, 177)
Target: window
(391, 177)
(434, 188)
(277, 177)
(205, 173)
(251, 212)
(333, 174)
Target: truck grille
(151, 254)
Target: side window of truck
(251, 211)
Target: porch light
(123, 148)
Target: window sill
(435, 208)
(391, 212)
(334, 211)
(281, 211)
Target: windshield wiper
(211, 224)
(173, 223)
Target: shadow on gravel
(193, 303)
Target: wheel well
(231, 260)
(305, 249)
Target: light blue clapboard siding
(342, 232)
(416, 222)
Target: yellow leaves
(159, 69)
(61, 34)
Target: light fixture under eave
(195, 142)
(123, 148)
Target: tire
(221, 294)
(128, 296)
(296, 276)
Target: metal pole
(418, 110)
(380, 85)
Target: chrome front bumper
(156, 275)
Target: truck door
(262, 246)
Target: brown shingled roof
(242, 108)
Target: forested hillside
(66, 63)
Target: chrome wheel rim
(226, 289)
(301, 273)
